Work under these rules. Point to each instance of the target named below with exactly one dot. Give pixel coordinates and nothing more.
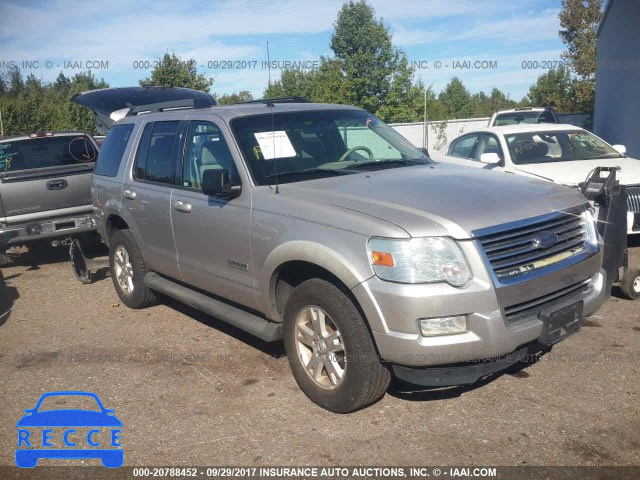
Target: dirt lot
(192, 391)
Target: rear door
(146, 194)
(46, 176)
(112, 104)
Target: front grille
(633, 198)
(535, 306)
(513, 252)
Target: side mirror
(490, 158)
(216, 183)
(621, 149)
(424, 150)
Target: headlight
(419, 260)
(590, 225)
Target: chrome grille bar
(515, 250)
(633, 198)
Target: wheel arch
(294, 262)
(114, 222)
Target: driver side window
(206, 149)
(355, 136)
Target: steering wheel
(346, 154)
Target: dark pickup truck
(45, 186)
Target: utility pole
(425, 134)
(268, 64)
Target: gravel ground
(192, 391)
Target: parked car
(320, 225)
(45, 186)
(516, 116)
(562, 154)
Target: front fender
(306, 251)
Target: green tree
(172, 71)
(579, 20)
(62, 83)
(32, 105)
(242, 96)
(456, 100)
(293, 82)
(366, 70)
(4, 83)
(435, 108)
(376, 72)
(16, 83)
(553, 89)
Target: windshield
(313, 144)
(562, 146)
(46, 152)
(515, 118)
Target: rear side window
(55, 151)
(156, 158)
(113, 149)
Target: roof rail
(294, 99)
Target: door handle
(181, 206)
(129, 194)
(57, 184)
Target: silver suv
(320, 225)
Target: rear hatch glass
(43, 152)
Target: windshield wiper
(376, 163)
(308, 171)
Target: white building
(617, 110)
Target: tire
(138, 294)
(364, 379)
(630, 283)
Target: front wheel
(128, 270)
(330, 349)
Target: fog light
(430, 327)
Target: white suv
(528, 115)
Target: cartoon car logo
(35, 447)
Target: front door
(212, 234)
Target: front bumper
(393, 311)
(470, 372)
(46, 229)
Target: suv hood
(574, 172)
(438, 199)
(112, 104)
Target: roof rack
(281, 100)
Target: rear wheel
(330, 349)
(128, 270)
(630, 283)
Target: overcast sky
(122, 32)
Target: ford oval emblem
(545, 240)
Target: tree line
(365, 70)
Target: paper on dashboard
(275, 144)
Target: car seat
(216, 155)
